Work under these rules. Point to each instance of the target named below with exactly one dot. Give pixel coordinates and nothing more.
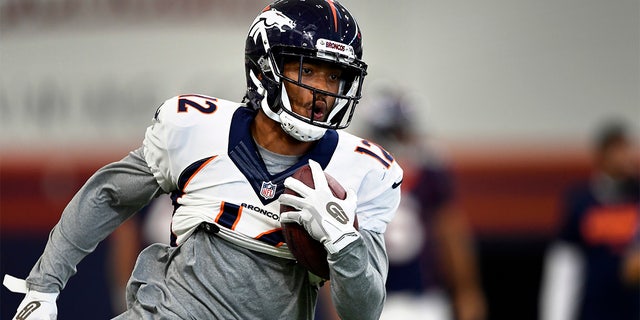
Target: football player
(226, 165)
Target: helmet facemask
(340, 104)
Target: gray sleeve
(358, 276)
(112, 195)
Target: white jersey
(201, 150)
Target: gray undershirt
(275, 162)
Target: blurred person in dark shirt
(592, 269)
(432, 272)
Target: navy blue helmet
(304, 31)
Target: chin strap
(295, 127)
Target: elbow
(360, 300)
(365, 308)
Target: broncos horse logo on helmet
(312, 30)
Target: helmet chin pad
(292, 125)
(301, 131)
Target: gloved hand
(320, 212)
(35, 305)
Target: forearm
(457, 251)
(358, 275)
(459, 262)
(107, 199)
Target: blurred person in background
(433, 272)
(592, 270)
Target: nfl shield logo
(268, 190)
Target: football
(309, 252)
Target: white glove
(326, 218)
(35, 305)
